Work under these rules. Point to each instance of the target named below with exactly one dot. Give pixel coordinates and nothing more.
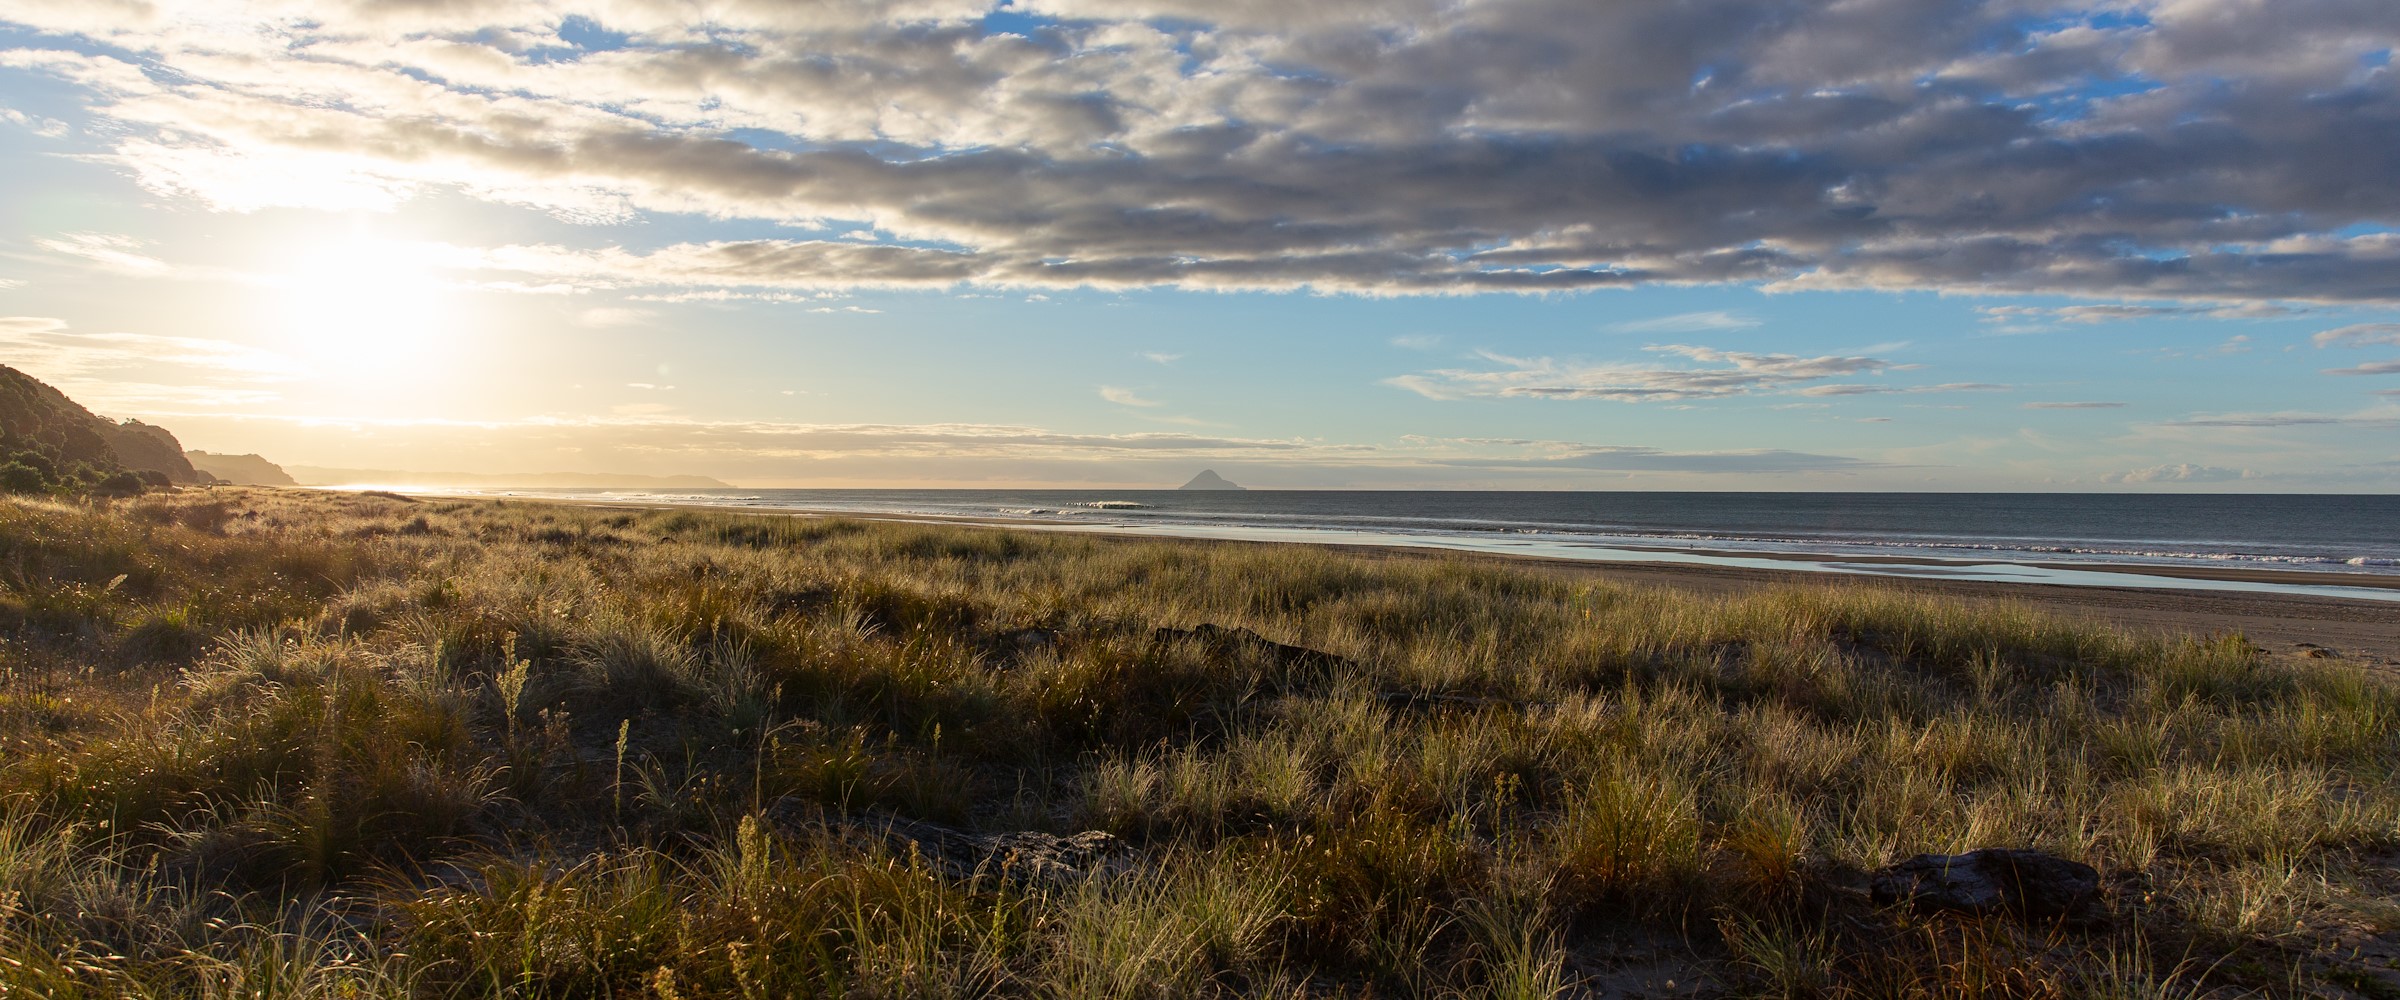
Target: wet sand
(2285, 624)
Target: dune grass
(279, 744)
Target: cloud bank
(2204, 149)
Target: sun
(368, 312)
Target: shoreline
(2159, 599)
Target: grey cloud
(1401, 147)
(2370, 368)
(2359, 335)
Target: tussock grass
(272, 744)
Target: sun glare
(368, 312)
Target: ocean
(2071, 538)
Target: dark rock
(1229, 642)
(2029, 884)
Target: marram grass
(275, 744)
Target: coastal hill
(51, 444)
(1209, 480)
(48, 442)
(313, 475)
(241, 470)
(149, 447)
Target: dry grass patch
(283, 744)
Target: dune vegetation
(270, 744)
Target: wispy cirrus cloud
(1691, 322)
(114, 252)
(2074, 405)
(112, 370)
(1871, 389)
(1720, 374)
(1126, 397)
(2097, 313)
(2273, 420)
(1634, 459)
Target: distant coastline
(316, 475)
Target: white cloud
(614, 316)
(2391, 367)
(1126, 397)
(1417, 341)
(48, 128)
(2182, 473)
(1158, 357)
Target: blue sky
(1899, 244)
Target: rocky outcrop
(2028, 884)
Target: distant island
(1209, 480)
(313, 475)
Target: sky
(1488, 244)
